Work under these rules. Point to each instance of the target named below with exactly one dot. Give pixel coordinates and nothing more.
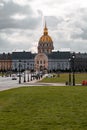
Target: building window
(40, 61)
(47, 50)
(37, 62)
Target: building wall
(5, 65)
(24, 64)
(81, 64)
(5, 62)
(41, 62)
(58, 64)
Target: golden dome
(45, 39)
(45, 44)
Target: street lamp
(73, 68)
(69, 71)
(28, 75)
(58, 68)
(31, 76)
(24, 71)
(19, 71)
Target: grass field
(79, 77)
(44, 108)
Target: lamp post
(58, 68)
(73, 68)
(69, 71)
(28, 75)
(31, 76)
(19, 71)
(24, 71)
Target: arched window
(37, 62)
(40, 61)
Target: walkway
(7, 83)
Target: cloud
(21, 24)
(16, 32)
(11, 9)
(71, 31)
(79, 25)
(53, 21)
(5, 46)
(11, 40)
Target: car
(14, 77)
(18, 75)
(49, 76)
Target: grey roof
(22, 55)
(29, 55)
(5, 56)
(81, 55)
(59, 55)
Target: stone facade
(41, 62)
(25, 59)
(5, 62)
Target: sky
(22, 23)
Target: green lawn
(44, 108)
(79, 77)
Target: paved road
(8, 83)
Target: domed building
(45, 60)
(45, 44)
(48, 60)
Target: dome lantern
(45, 30)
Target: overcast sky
(22, 23)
